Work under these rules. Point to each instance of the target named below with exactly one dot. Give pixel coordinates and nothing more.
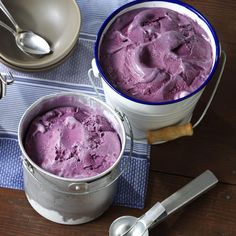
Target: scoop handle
(169, 133)
(187, 194)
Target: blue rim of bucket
(113, 14)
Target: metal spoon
(27, 41)
(132, 226)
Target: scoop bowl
(122, 226)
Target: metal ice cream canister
(64, 200)
(143, 115)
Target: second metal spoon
(27, 41)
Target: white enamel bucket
(145, 116)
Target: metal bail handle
(4, 81)
(214, 90)
(91, 76)
(93, 73)
(115, 176)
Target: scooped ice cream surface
(156, 54)
(73, 142)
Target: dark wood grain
(212, 214)
(173, 164)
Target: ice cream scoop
(132, 226)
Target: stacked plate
(58, 21)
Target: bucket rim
(136, 2)
(56, 177)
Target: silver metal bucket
(64, 200)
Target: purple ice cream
(156, 54)
(73, 142)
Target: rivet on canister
(78, 187)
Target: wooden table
(173, 164)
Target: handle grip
(187, 194)
(169, 133)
